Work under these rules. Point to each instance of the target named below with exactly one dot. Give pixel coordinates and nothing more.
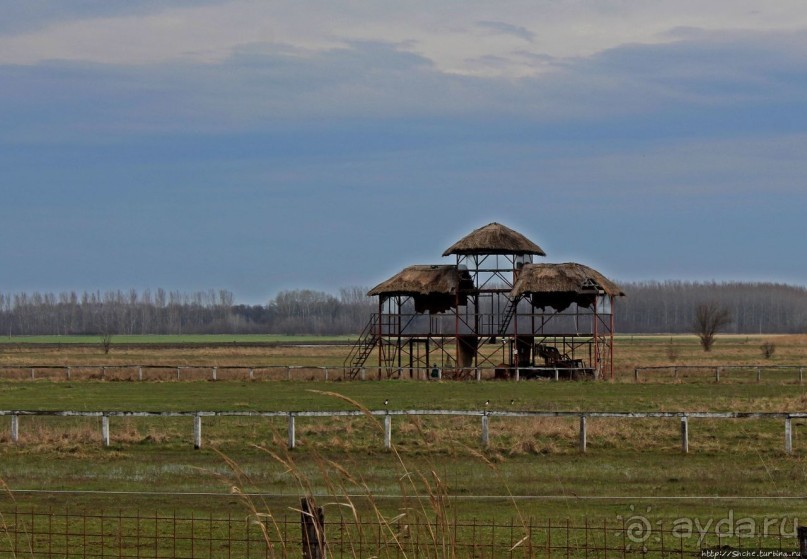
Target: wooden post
(759, 374)
(788, 436)
(684, 434)
(485, 435)
(68, 373)
(197, 431)
(251, 374)
(388, 431)
(717, 374)
(288, 373)
(103, 372)
(636, 374)
(177, 373)
(292, 440)
(33, 374)
(312, 527)
(139, 373)
(15, 428)
(801, 375)
(675, 372)
(105, 429)
(326, 373)
(583, 439)
(215, 373)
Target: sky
(267, 145)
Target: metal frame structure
(486, 324)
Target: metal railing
(90, 534)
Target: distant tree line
(650, 307)
(174, 312)
(670, 306)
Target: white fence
(387, 415)
(288, 372)
(717, 370)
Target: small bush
(768, 349)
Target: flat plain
(532, 466)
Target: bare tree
(710, 318)
(106, 342)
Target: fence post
(388, 431)
(363, 374)
(215, 373)
(197, 431)
(105, 429)
(177, 373)
(139, 373)
(583, 440)
(788, 436)
(684, 434)
(312, 527)
(636, 374)
(717, 374)
(68, 373)
(15, 428)
(556, 375)
(33, 374)
(478, 374)
(759, 374)
(485, 435)
(291, 441)
(288, 372)
(801, 375)
(326, 373)
(251, 374)
(103, 372)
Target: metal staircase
(362, 349)
(507, 317)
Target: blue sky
(261, 146)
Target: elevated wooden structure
(494, 308)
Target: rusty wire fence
(87, 534)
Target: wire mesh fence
(91, 534)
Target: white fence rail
(717, 370)
(387, 416)
(288, 372)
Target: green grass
(736, 466)
(306, 395)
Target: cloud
(716, 83)
(507, 29)
(153, 32)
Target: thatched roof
(434, 288)
(425, 280)
(494, 238)
(559, 278)
(560, 285)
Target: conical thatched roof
(494, 238)
(424, 280)
(433, 288)
(560, 278)
(560, 285)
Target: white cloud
(456, 38)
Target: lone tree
(709, 319)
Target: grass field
(532, 467)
